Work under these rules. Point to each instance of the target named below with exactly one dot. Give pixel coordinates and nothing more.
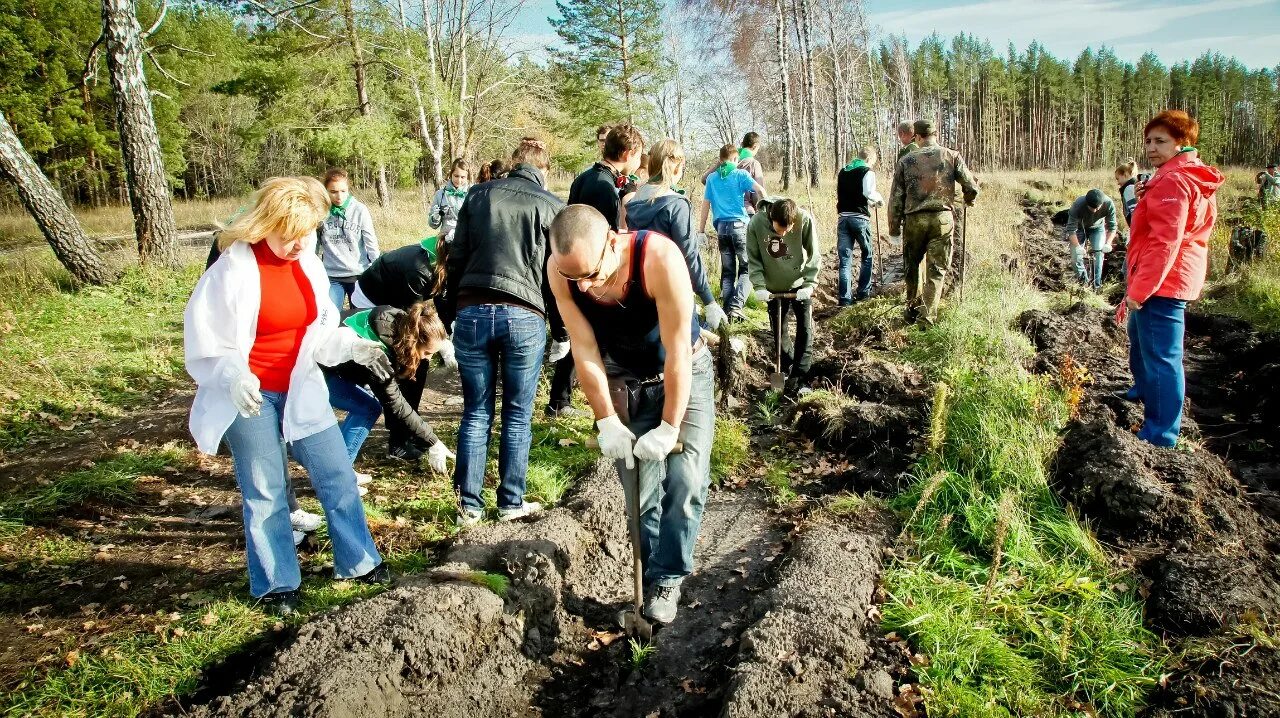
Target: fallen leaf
(209, 619)
(688, 686)
(567, 442)
(72, 657)
(727, 642)
(35, 627)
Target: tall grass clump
(1018, 608)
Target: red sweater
(288, 308)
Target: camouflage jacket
(925, 181)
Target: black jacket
(382, 320)
(403, 276)
(599, 186)
(502, 240)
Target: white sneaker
(305, 521)
(362, 479)
(468, 518)
(528, 508)
(298, 536)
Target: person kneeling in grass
(255, 332)
(783, 255)
(627, 303)
(409, 338)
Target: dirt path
(1197, 526)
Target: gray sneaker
(528, 508)
(661, 603)
(468, 517)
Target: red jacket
(1168, 254)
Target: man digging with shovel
(783, 256)
(627, 303)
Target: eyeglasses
(599, 265)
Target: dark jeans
(562, 384)
(735, 276)
(797, 356)
(398, 433)
(493, 340)
(1155, 357)
(340, 291)
(853, 230)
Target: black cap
(1093, 198)
(924, 128)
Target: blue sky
(1175, 30)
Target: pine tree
(614, 44)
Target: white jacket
(218, 332)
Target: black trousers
(797, 356)
(562, 384)
(398, 434)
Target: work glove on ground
(436, 456)
(615, 440)
(373, 357)
(715, 316)
(655, 445)
(245, 390)
(559, 350)
(804, 294)
(447, 355)
(763, 295)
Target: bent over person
(921, 214)
(628, 305)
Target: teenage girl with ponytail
(1128, 188)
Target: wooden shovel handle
(592, 443)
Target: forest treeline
(394, 89)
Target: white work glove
(436, 456)
(655, 445)
(804, 294)
(447, 354)
(715, 316)
(373, 357)
(763, 294)
(246, 391)
(615, 440)
(559, 350)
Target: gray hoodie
(659, 209)
(347, 243)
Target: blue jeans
(362, 407)
(493, 339)
(340, 291)
(673, 493)
(735, 277)
(1091, 241)
(262, 474)
(1155, 357)
(853, 230)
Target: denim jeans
(853, 230)
(1091, 241)
(262, 474)
(493, 340)
(735, 276)
(797, 356)
(362, 409)
(1155, 357)
(672, 494)
(339, 291)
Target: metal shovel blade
(637, 626)
(777, 380)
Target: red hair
(1181, 127)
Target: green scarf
(359, 323)
(744, 153)
(451, 190)
(855, 164)
(340, 210)
(429, 244)
(726, 169)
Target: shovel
(778, 380)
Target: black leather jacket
(502, 240)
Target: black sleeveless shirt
(627, 332)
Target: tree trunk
(437, 119)
(154, 224)
(362, 95)
(46, 206)
(788, 143)
(810, 83)
(424, 132)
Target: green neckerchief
(340, 210)
(359, 323)
(1188, 149)
(657, 181)
(855, 164)
(744, 153)
(633, 179)
(454, 192)
(726, 169)
(429, 244)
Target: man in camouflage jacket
(921, 213)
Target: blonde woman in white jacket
(256, 329)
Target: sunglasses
(599, 265)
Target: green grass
(777, 479)
(69, 355)
(730, 448)
(640, 654)
(113, 481)
(1018, 608)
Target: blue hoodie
(658, 209)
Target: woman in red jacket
(1168, 256)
